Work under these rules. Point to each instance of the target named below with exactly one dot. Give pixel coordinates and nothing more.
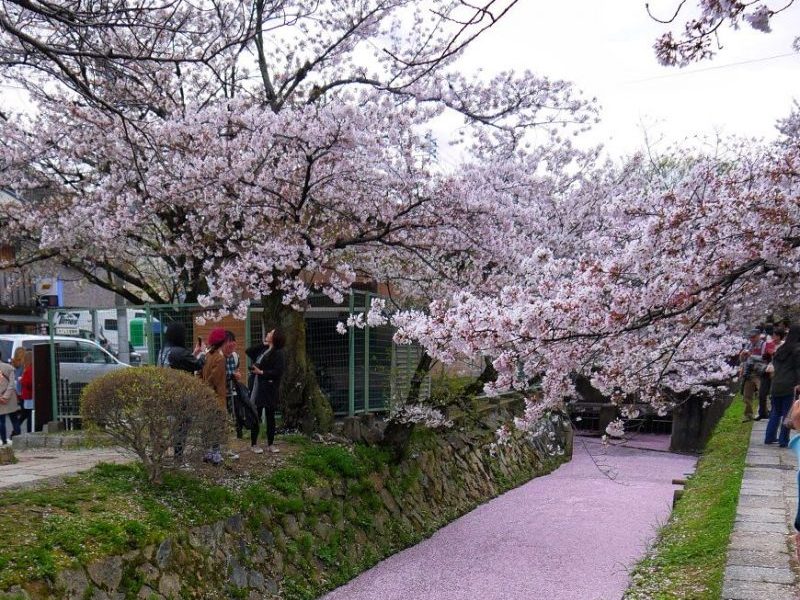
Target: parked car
(79, 323)
(134, 358)
(79, 360)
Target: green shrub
(449, 389)
(150, 409)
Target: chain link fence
(360, 371)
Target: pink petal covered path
(570, 535)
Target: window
(92, 354)
(68, 352)
(6, 347)
(110, 324)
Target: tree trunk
(423, 368)
(488, 374)
(303, 404)
(693, 420)
(396, 436)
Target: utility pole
(123, 348)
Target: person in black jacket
(785, 383)
(174, 353)
(266, 370)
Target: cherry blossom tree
(700, 39)
(642, 278)
(226, 152)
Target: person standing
(751, 369)
(785, 382)
(26, 395)
(18, 362)
(765, 379)
(8, 398)
(267, 370)
(793, 421)
(233, 374)
(214, 373)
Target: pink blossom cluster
(641, 277)
(222, 155)
(699, 39)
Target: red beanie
(217, 336)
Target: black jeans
(22, 415)
(231, 402)
(181, 433)
(269, 409)
(3, 431)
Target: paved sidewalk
(41, 464)
(760, 553)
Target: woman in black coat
(267, 370)
(785, 383)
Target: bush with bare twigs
(149, 410)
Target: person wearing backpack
(785, 383)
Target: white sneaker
(232, 455)
(257, 449)
(273, 449)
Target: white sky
(606, 48)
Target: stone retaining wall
(342, 526)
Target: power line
(715, 68)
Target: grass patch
(112, 509)
(333, 461)
(687, 560)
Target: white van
(79, 360)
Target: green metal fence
(361, 371)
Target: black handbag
(245, 411)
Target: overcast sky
(606, 48)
